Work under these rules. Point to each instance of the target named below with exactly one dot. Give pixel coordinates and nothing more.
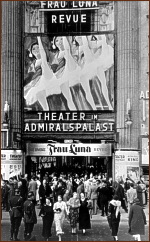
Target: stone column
(11, 63)
(127, 57)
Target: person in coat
(131, 195)
(2, 194)
(30, 217)
(93, 195)
(16, 214)
(58, 191)
(44, 191)
(11, 190)
(141, 192)
(137, 220)
(84, 216)
(109, 185)
(119, 191)
(33, 187)
(114, 216)
(74, 204)
(104, 197)
(24, 187)
(47, 215)
(80, 188)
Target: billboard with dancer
(69, 73)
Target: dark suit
(16, 214)
(44, 192)
(104, 197)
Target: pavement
(99, 232)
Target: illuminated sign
(65, 4)
(58, 149)
(68, 16)
(67, 122)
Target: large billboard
(69, 72)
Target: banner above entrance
(59, 149)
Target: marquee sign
(69, 16)
(61, 122)
(59, 149)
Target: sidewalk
(99, 232)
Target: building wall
(11, 69)
(132, 74)
(127, 58)
(144, 67)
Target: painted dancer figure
(68, 73)
(44, 82)
(104, 59)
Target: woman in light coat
(60, 210)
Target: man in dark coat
(104, 197)
(16, 214)
(29, 215)
(137, 220)
(110, 188)
(2, 194)
(44, 191)
(24, 187)
(127, 185)
(59, 190)
(121, 195)
(6, 196)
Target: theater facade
(73, 97)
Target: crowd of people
(73, 198)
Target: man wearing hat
(30, 217)
(16, 213)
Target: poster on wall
(68, 16)
(133, 173)
(145, 151)
(127, 165)
(11, 163)
(69, 73)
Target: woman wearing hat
(47, 215)
(74, 204)
(114, 216)
(137, 220)
(84, 216)
(60, 210)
